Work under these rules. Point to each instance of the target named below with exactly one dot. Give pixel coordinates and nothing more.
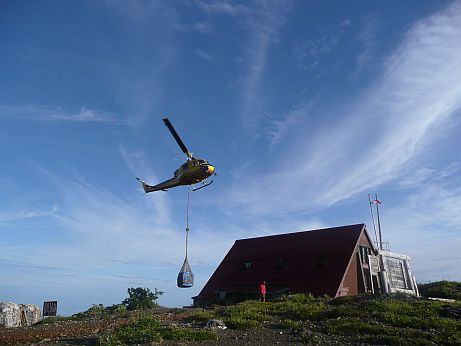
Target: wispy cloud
(146, 50)
(109, 239)
(262, 20)
(141, 13)
(222, 7)
(420, 177)
(367, 41)
(278, 129)
(204, 55)
(26, 214)
(426, 225)
(419, 91)
(309, 52)
(202, 27)
(263, 23)
(48, 113)
(136, 162)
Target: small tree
(141, 298)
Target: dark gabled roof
(310, 261)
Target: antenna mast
(377, 202)
(373, 218)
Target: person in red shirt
(262, 289)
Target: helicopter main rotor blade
(177, 138)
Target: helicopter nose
(211, 169)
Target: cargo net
(185, 276)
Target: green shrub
(351, 326)
(101, 312)
(294, 325)
(310, 337)
(242, 324)
(343, 300)
(95, 311)
(141, 298)
(448, 338)
(382, 319)
(300, 298)
(442, 325)
(117, 309)
(249, 310)
(55, 319)
(140, 332)
(389, 321)
(201, 316)
(187, 334)
(297, 307)
(441, 289)
(300, 311)
(335, 311)
(355, 326)
(147, 330)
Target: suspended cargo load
(185, 276)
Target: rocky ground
(87, 332)
(383, 319)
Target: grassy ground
(365, 319)
(384, 320)
(293, 320)
(148, 329)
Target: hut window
(322, 261)
(364, 252)
(281, 263)
(247, 265)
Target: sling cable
(185, 276)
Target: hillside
(441, 289)
(294, 320)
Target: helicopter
(193, 171)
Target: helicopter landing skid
(201, 187)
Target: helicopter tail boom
(159, 187)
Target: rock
(215, 324)
(9, 314)
(30, 314)
(14, 315)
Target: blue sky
(304, 107)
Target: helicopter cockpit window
(201, 162)
(184, 166)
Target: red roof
(311, 261)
